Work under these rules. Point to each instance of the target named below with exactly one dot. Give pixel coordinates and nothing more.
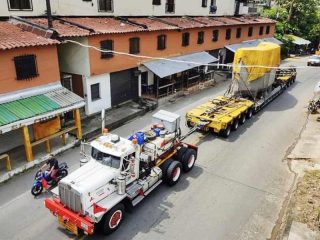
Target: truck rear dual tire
(172, 172)
(112, 219)
(188, 160)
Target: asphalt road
(235, 191)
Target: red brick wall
(148, 45)
(47, 64)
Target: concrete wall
(121, 8)
(74, 58)
(47, 64)
(105, 93)
(148, 46)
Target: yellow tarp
(265, 54)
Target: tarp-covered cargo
(254, 68)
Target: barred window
(238, 33)
(261, 30)
(162, 42)
(170, 6)
(156, 2)
(134, 45)
(105, 5)
(106, 45)
(228, 33)
(204, 3)
(95, 91)
(268, 30)
(215, 35)
(250, 32)
(185, 39)
(200, 37)
(20, 5)
(26, 67)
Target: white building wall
(105, 93)
(74, 58)
(121, 8)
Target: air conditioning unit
(213, 9)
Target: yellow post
(77, 120)
(48, 148)
(27, 143)
(64, 139)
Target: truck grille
(70, 198)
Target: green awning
(27, 110)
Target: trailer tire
(189, 124)
(112, 219)
(173, 173)
(226, 132)
(249, 113)
(188, 160)
(243, 117)
(235, 124)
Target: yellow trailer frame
(219, 113)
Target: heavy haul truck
(257, 80)
(120, 173)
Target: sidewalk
(302, 219)
(91, 126)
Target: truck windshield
(105, 158)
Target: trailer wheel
(243, 118)
(112, 219)
(249, 113)
(226, 132)
(235, 124)
(173, 173)
(188, 160)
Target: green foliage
(297, 17)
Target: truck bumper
(69, 219)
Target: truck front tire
(112, 219)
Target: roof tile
(11, 36)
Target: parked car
(314, 60)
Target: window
(200, 37)
(185, 39)
(204, 3)
(250, 31)
(261, 30)
(95, 91)
(228, 33)
(156, 2)
(213, 6)
(105, 5)
(268, 30)
(170, 6)
(20, 4)
(215, 35)
(26, 67)
(162, 42)
(238, 33)
(105, 158)
(106, 45)
(134, 46)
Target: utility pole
(49, 15)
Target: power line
(181, 61)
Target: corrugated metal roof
(298, 40)
(164, 68)
(37, 105)
(253, 43)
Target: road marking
(13, 200)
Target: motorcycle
(313, 106)
(44, 181)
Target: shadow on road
(148, 215)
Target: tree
(297, 17)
